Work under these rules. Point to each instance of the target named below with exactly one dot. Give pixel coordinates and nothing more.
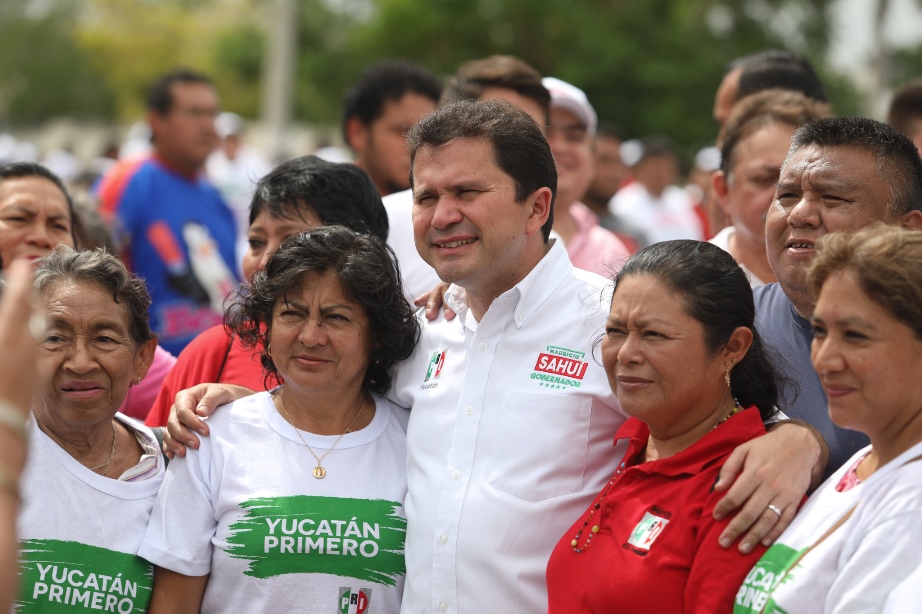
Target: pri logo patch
(645, 533)
(435, 365)
(560, 368)
(354, 602)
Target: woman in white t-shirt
(859, 535)
(92, 474)
(295, 502)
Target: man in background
(173, 227)
(765, 70)
(653, 203)
(570, 133)
(906, 111)
(389, 99)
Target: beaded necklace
(598, 504)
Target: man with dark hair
(754, 144)
(765, 70)
(840, 174)
(174, 229)
(610, 170)
(501, 77)
(390, 97)
(906, 111)
(498, 77)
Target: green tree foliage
(42, 71)
(650, 66)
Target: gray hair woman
(92, 474)
(296, 500)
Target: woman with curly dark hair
(296, 499)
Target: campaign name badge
(434, 369)
(560, 368)
(645, 533)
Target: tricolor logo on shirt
(646, 531)
(560, 368)
(436, 362)
(352, 601)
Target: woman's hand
(433, 300)
(188, 409)
(769, 477)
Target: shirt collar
(540, 283)
(736, 430)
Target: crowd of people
(500, 362)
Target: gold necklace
(318, 472)
(105, 465)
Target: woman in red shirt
(684, 358)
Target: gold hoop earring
(269, 350)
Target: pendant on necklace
(319, 472)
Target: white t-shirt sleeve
(882, 559)
(182, 525)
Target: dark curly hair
(364, 265)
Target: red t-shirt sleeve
(198, 363)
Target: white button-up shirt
(510, 438)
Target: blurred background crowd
(73, 73)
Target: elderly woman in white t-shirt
(859, 535)
(92, 474)
(295, 502)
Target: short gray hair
(65, 264)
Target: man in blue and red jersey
(175, 230)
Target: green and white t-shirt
(79, 532)
(245, 509)
(855, 568)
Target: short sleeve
(182, 524)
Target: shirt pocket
(541, 446)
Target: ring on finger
(775, 509)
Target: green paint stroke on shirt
(755, 596)
(66, 576)
(352, 538)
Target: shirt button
(483, 347)
(443, 605)
(519, 316)
(468, 410)
(443, 539)
(456, 474)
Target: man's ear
(912, 220)
(155, 121)
(721, 191)
(356, 136)
(540, 205)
